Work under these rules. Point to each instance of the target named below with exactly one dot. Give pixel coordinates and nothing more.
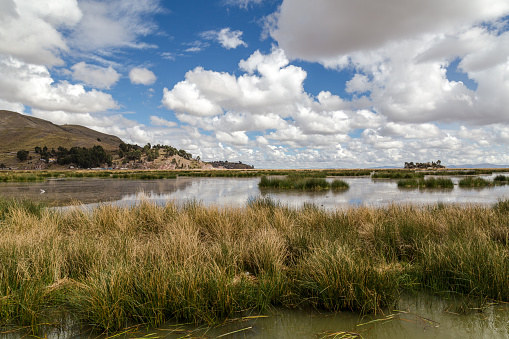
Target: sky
(271, 83)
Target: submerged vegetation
(114, 266)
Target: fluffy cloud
(270, 85)
(406, 90)
(227, 38)
(317, 30)
(358, 84)
(399, 121)
(411, 131)
(32, 85)
(403, 56)
(11, 106)
(158, 121)
(95, 76)
(142, 76)
(235, 138)
(29, 29)
(115, 23)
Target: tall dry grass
(114, 266)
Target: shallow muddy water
(238, 191)
(424, 316)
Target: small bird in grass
(42, 191)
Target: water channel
(417, 316)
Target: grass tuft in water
(474, 182)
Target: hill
(22, 132)
(479, 166)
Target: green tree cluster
(84, 157)
(22, 155)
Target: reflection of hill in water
(66, 192)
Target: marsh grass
(114, 266)
(397, 174)
(474, 182)
(27, 176)
(426, 183)
(501, 179)
(301, 182)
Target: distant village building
(424, 165)
(230, 165)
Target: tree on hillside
(22, 155)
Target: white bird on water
(42, 191)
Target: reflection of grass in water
(147, 264)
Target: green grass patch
(501, 179)
(399, 174)
(301, 182)
(474, 182)
(426, 183)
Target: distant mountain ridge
(23, 132)
(478, 166)
(485, 165)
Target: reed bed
(501, 179)
(114, 266)
(26, 176)
(474, 182)
(479, 182)
(301, 182)
(397, 174)
(426, 183)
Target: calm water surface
(237, 191)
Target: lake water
(237, 191)
(418, 317)
(421, 316)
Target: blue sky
(273, 83)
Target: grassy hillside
(21, 132)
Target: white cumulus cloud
(269, 86)
(315, 30)
(158, 121)
(142, 76)
(30, 29)
(95, 76)
(115, 23)
(227, 38)
(32, 85)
